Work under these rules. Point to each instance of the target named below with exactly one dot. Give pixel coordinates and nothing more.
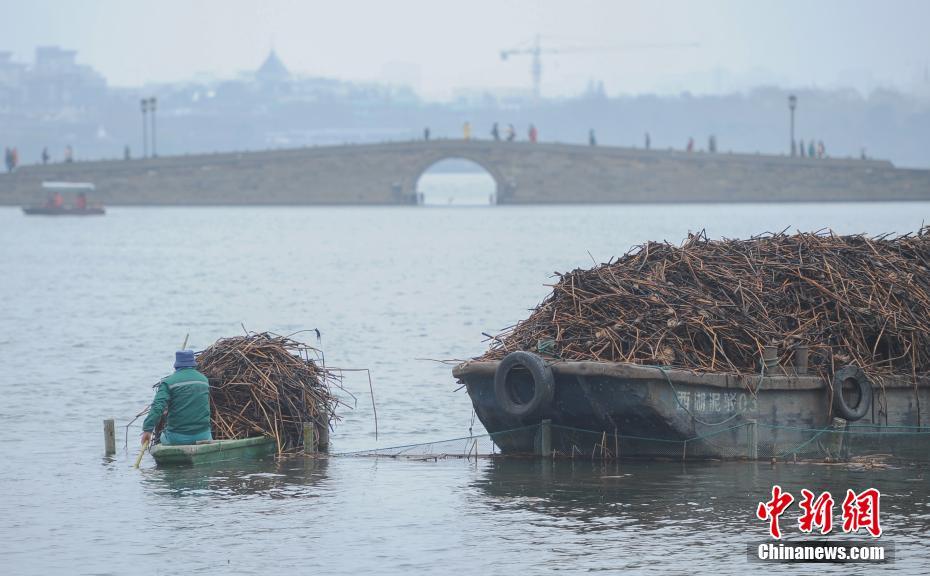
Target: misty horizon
(244, 75)
(441, 53)
(920, 88)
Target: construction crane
(535, 49)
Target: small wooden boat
(213, 451)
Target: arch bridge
(525, 173)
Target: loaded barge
(810, 345)
(611, 409)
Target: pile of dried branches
(265, 384)
(713, 305)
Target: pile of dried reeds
(713, 305)
(265, 384)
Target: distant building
(11, 80)
(57, 79)
(272, 70)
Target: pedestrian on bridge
(511, 133)
(12, 159)
(495, 132)
(592, 139)
(466, 130)
(534, 135)
(426, 134)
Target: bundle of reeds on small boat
(265, 384)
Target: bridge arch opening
(456, 182)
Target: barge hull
(655, 412)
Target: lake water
(93, 309)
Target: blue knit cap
(184, 359)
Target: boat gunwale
(51, 211)
(209, 447)
(627, 371)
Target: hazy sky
(441, 46)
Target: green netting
(473, 446)
(846, 442)
(744, 441)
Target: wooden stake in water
(109, 436)
(323, 434)
(310, 440)
(545, 437)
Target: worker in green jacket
(186, 393)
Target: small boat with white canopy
(55, 203)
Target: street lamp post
(144, 103)
(152, 103)
(792, 104)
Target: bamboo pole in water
(145, 446)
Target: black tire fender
(855, 375)
(543, 385)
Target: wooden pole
(769, 359)
(323, 436)
(109, 436)
(616, 445)
(545, 437)
(836, 443)
(310, 439)
(801, 354)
